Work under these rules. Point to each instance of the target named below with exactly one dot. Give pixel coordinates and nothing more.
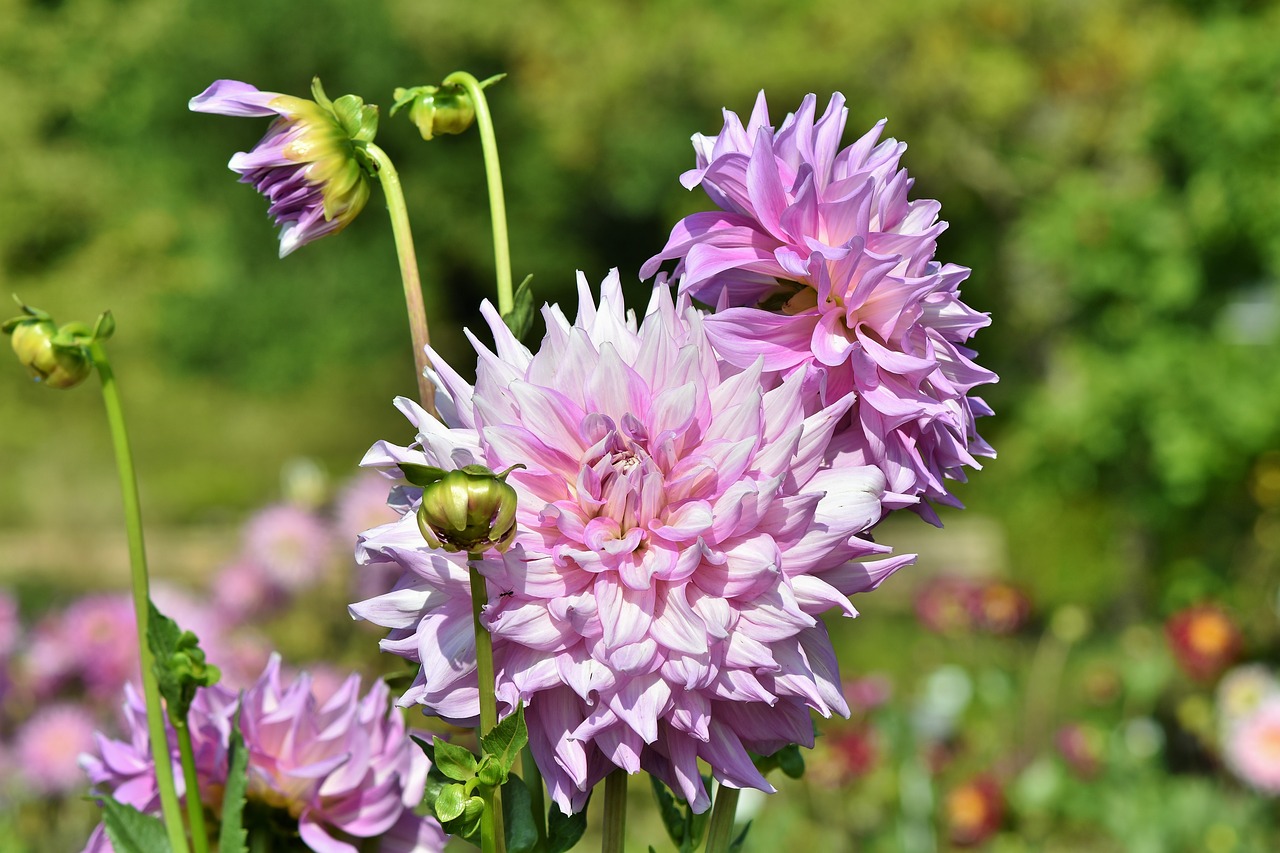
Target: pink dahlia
(818, 262)
(94, 641)
(341, 770)
(678, 534)
(290, 543)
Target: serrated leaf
(519, 825)
(504, 742)
(564, 831)
(520, 318)
(454, 761)
(180, 666)
(673, 817)
(131, 831)
(450, 803)
(736, 845)
(421, 475)
(233, 838)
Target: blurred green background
(1111, 172)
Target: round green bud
(471, 509)
(54, 364)
(437, 109)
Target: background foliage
(1111, 172)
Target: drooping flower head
(817, 261)
(677, 535)
(308, 164)
(339, 771)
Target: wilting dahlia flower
(339, 770)
(306, 165)
(817, 261)
(677, 536)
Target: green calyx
(439, 110)
(469, 509)
(55, 356)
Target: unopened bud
(470, 509)
(436, 109)
(54, 357)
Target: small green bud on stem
(439, 109)
(470, 509)
(56, 357)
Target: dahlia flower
(290, 543)
(94, 641)
(677, 535)
(306, 165)
(342, 770)
(1252, 747)
(817, 261)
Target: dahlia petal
(233, 98)
(742, 335)
(730, 762)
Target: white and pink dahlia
(817, 261)
(1251, 747)
(678, 534)
(339, 771)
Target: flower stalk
(389, 178)
(493, 176)
(191, 782)
(141, 600)
(720, 832)
(491, 830)
(615, 812)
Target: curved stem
(195, 808)
(720, 832)
(615, 813)
(141, 601)
(491, 825)
(493, 175)
(399, 212)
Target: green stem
(169, 806)
(720, 832)
(195, 808)
(614, 839)
(399, 212)
(492, 821)
(493, 175)
(537, 799)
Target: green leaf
(466, 825)
(564, 831)
(791, 761)
(518, 820)
(454, 761)
(737, 843)
(421, 475)
(451, 802)
(506, 739)
(427, 747)
(232, 837)
(179, 663)
(520, 318)
(131, 831)
(673, 817)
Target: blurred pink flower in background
(974, 811)
(1082, 747)
(244, 591)
(47, 747)
(1251, 747)
(93, 641)
(10, 626)
(1204, 640)
(290, 543)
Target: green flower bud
(471, 509)
(436, 109)
(54, 357)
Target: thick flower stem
(720, 832)
(390, 180)
(615, 813)
(493, 175)
(169, 805)
(195, 808)
(491, 830)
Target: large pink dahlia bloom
(343, 769)
(678, 534)
(819, 262)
